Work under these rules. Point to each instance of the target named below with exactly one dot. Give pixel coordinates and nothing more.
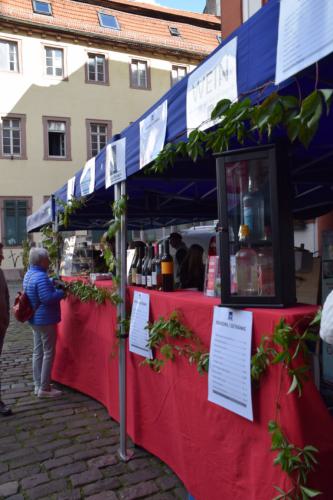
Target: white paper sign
(152, 134)
(138, 335)
(305, 35)
(214, 80)
(115, 163)
(87, 180)
(70, 189)
(229, 377)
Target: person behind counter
(176, 242)
(192, 270)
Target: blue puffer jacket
(42, 293)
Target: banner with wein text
(214, 80)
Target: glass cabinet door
(249, 228)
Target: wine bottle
(149, 280)
(153, 267)
(132, 273)
(139, 268)
(144, 266)
(167, 269)
(246, 264)
(253, 207)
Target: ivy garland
(52, 241)
(255, 123)
(69, 209)
(189, 345)
(86, 292)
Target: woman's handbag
(22, 309)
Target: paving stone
(32, 481)
(49, 429)
(86, 477)
(140, 463)
(30, 459)
(115, 470)
(139, 476)
(68, 470)
(138, 491)
(16, 497)
(57, 462)
(168, 482)
(3, 467)
(162, 496)
(111, 483)
(84, 455)
(47, 489)
(8, 489)
(103, 461)
(181, 493)
(73, 495)
(106, 495)
(20, 473)
(84, 438)
(68, 451)
(54, 445)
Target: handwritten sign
(229, 378)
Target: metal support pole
(121, 243)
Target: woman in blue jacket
(45, 300)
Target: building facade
(72, 74)
(236, 12)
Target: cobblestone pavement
(66, 448)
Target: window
(42, 8)
(108, 21)
(8, 56)
(13, 137)
(219, 38)
(15, 213)
(174, 31)
(54, 59)
(250, 7)
(97, 69)
(98, 133)
(56, 138)
(177, 73)
(140, 75)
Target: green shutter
(15, 214)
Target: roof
(138, 25)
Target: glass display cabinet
(256, 229)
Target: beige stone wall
(34, 94)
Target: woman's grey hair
(36, 255)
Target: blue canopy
(188, 191)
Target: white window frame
(177, 67)
(135, 84)
(16, 59)
(95, 56)
(54, 67)
(250, 7)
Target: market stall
(215, 452)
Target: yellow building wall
(35, 94)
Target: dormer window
(174, 31)
(42, 7)
(108, 21)
(219, 38)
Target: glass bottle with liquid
(254, 206)
(246, 264)
(167, 269)
(149, 267)
(132, 273)
(144, 267)
(266, 282)
(139, 267)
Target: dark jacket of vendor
(43, 296)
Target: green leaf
(293, 128)
(294, 384)
(328, 96)
(310, 492)
(272, 426)
(221, 108)
(309, 447)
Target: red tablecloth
(217, 454)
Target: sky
(192, 5)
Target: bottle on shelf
(139, 267)
(232, 256)
(153, 267)
(132, 272)
(148, 270)
(254, 206)
(167, 268)
(266, 283)
(246, 264)
(144, 267)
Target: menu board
(229, 377)
(138, 334)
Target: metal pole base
(129, 454)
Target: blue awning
(187, 192)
